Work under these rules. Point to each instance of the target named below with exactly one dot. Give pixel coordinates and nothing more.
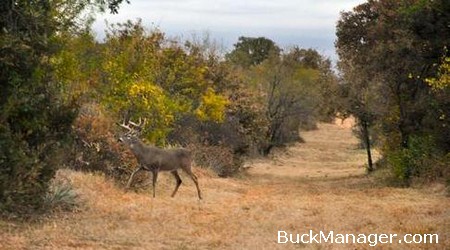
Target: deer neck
(137, 147)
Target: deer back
(163, 159)
(172, 159)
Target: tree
(387, 49)
(323, 91)
(353, 48)
(34, 117)
(150, 76)
(289, 87)
(249, 51)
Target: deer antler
(137, 127)
(125, 126)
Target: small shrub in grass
(61, 195)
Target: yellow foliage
(212, 107)
(443, 77)
(145, 91)
(160, 83)
(151, 101)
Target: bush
(34, 117)
(218, 158)
(401, 165)
(23, 178)
(419, 159)
(61, 195)
(96, 148)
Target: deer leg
(195, 179)
(155, 177)
(178, 179)
(132, 176)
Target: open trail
(319, 185)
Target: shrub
(34, 118)
(96, 147)
(419, 159)
(218, 158)
(61, 195)
(22, 184)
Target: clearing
(319, 185)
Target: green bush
(419, 159)
(27, 164)
(34, 119)
(23, 178)
(401, 164)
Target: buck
(154, 159)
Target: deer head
(134, 130)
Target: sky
(303, 23)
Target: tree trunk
(366, 136)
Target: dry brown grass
(318, 185)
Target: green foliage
(246, 124)
(76, 66)
(34, 119)
(23, 176)
(249, 51)
(35, 111)
(391, 53)
(155, 78)
(419, 159)
(290, 88)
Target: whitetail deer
(155, 159)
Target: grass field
(317, 185)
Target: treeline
(63, 93)
(223, 107)
(395, 64)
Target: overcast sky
(306, 23)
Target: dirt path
(318, 185)
(330, 152)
